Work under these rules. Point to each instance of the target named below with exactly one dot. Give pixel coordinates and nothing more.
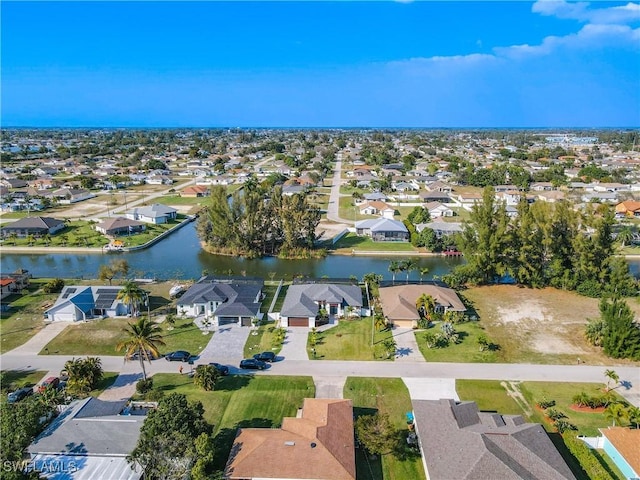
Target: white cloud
(620, 14)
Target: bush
(54, 286)
(154, 395)
(554, 414)
(590, 288)
(144, 386)
(544, 403)
(564, 426)
(586, 457)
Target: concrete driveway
(431, 388)
(295, 344)
(406, 346)
(226, 344)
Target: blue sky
(321, 64)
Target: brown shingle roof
(626, 442)
(318, 445)
(399, 303)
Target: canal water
(179, 256)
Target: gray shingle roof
(382, 225)
(301, 299)
(35, 222)
(459, 442)
(238, 299)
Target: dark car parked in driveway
(19, 394)
(253, 364)
(178, 356)
(265, 356)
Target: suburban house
(20, 279)
(318, 444)
(441, 228)
(399, 302)
(303, 302)
(223, 302)
(630, 208)
(67, 196)
(120, 226)
(468, 200)
(7, 287)
(377, 208)
(90, 439)
(435, 196)
(37, 226)
(375, 196)
(383, 230)
(621, 444)
(195, 191)
(78, 303)
(156, 214)
(437, 209)
(457, 441)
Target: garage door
(404, 323)
(298, 322)
(227, 320)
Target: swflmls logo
(48, 466)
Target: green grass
(283, 293)
(24, 319)
(14, 379)
(349, 340)
(390, 396)
(107, 380)
(100, 337)
(489, 395)
(269, 291)
(351, 241)
(467, 351)
(241, 401)
(178, 200)
(264, 340)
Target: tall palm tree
(394, 267)
(407, 266)
(144, 340)
(132, 296)
(424, 271)
(426, 305)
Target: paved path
(295, 344)
(431, 388)
(226, 344)
(329, 387)
(406, 346)
(36, 343)
(125, 385)
(333, 208)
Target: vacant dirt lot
(544, 326)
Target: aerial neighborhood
(348, 304)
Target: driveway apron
(406, 346)
(295, 344)
(431, 388)
(36, 343)
(226, 344)
(329, 387)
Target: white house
(80, 302)
(437, 209)
(156, 214)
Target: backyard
(351, 241)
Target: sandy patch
(328, 230)
(548, 343)
(525, 312)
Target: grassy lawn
(283, 293)
(269, 291)
(14, 379)
(350, 340)
(100, 337)
(351, 241)
(466, 351)
(24, 319)
(107, 380)
(489, 395)
(390, 396)
(241, 401)
(178, 200)
(263, 341)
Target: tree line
(257, 223)
(544, 245)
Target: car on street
(223, 369)
(178, 356)
(19, 394)
(265, 357)
(136, 355)
(50, 382)
(253, 364)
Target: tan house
(399, 302)
(317, 444)
(377, 208)
(630, 208)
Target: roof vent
(313, 444)
(289, 444)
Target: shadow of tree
(233, 382)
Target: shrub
(154, 395)
(590, 288)
(544, 403)
(554, 414)
(144, 386)
(586, 457)
(54, 286)
(564, 426)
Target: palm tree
(617, 413)
(625, 236)
(144, 339)
(13, 236)
(407, 266)
(379, 321)
(633, 413)
(426, 305)
(131, 295)
(423, 272)
(31, 240)
(612, 376)
(394, 267)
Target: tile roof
(318, 445)
(460, 442)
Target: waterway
(179, 256)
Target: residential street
(334, 199)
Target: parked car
(265, 357)
(51, 382)
(178, 356)
(252, 363)
(136, 355)
(19, 394)
(223, 369)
